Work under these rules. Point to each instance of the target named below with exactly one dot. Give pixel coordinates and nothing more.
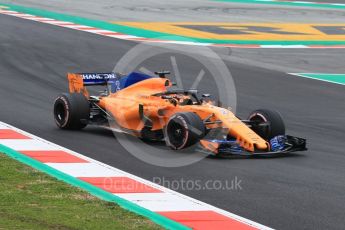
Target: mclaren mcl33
(150, 108)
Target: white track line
(85, 170)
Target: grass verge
(30, 199)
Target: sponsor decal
(98, 76)
(117, 84)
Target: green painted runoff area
(334, 78)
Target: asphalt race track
(301, 191)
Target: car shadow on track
(106, 133)
(99, 132)
(286, 155)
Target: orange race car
(149, 107)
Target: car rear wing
(79, 81)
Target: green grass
(30, 199)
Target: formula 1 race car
(150, 108)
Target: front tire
(183, 130)
(71, 111)
(267, 123)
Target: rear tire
(183, 130)
(71, 111)
(275, 124)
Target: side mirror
(193, 91)
(162, 74)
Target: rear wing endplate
(78, 81)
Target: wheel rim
(176, 134)
(60, 113)
(261, 131)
